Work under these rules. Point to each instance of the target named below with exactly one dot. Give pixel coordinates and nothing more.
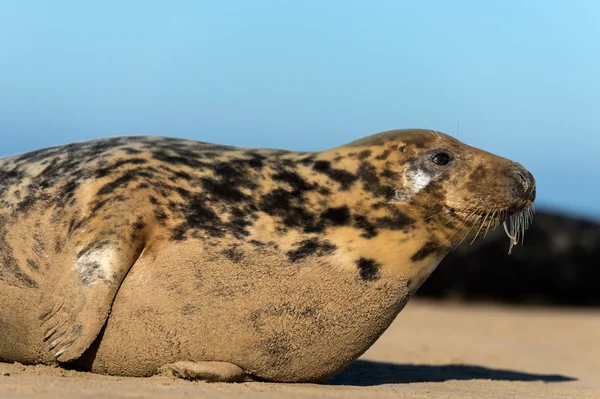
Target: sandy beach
(432, 350)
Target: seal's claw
(55, 343)
(48, 313)
(206, 371)
(65, 341)
(62, 350)
(49, 333)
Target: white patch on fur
(414, 182)
(420, 181)
(97, 264)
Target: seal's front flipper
(206, 371)
(76, 307)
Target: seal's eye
(441, 158)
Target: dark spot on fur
(198, 216)
(310, 247)
(337, 216)
(371, 183)
(256, 161)
(429, 248)
(180, 174)
(396, 221)
(322, 166)
(139, 224)
(389, 174)
(437, 191)
(368, 269)
(27, 203)
(238, 223)
(307, 161)
(131, 151)
(233, 253)
(324, 191)
(383, 155)
(223, 190)
(179, 160)
(361, 222)
(189, 309)
(59, 245)
(297, 182)
(364, 154)
(106, 171)
(94, 245)
(228, 172)
(288, 206)
(125, 179)
(343, 177)
(160, 215)
(479, 174)
(33, 264)
(87, 272)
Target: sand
(432, 350)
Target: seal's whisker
(465, 221)
(487, 214)
(487, 229)
(522, 226)
(476, 217)
(452, 218)
(512, 238)
(465, 235)
(429, 217)
(456, 230)
(515, 226)
(437, 134)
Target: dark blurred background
(559, 264)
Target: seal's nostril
(522, 176)
(526, 182)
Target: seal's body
(224, 263)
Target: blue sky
(520, 78)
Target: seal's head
(467, 190)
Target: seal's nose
(524, 183)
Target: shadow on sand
(366, 373)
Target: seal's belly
(276, 320)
